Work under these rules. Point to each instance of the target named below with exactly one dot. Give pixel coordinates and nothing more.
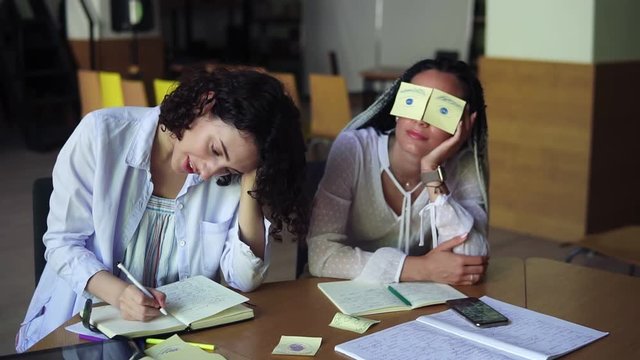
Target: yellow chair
(289, 82)
(133, 93)
(163, 87)
(111, 89)
(89, 86)
(330, 108)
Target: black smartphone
(477, 312)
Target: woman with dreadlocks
(402, 199)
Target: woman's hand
(443, 266)
(134, 305)
(449, 147)
(251, 218)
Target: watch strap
(436, 175)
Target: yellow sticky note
(411, 101)
(444, 111)
(297, 345)
(352, 323)
(174, 348)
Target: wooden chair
(111, 89)
(162, 87)
(133, 93)
(330, 109)
(89, 86)
(621, 244)
(289, 82)
(41, 193)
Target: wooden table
(602, 300)
(379, 75)
(298, 308)
(598, 299)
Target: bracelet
(440, 189)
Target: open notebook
(361, 298)
(195, 303)
(447, 335)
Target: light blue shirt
(102, 183)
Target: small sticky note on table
(352, 323)
(174, 348)
(297, 345)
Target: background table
(598, 299)
(375, 80)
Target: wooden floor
(21, 166)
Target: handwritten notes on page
(530, 333)
(198, 297)
(446, 335)
(414, 340)
(362, 298)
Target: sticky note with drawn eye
(411, 101)
(444, 111)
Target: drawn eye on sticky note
(411, 101)
(444, 111)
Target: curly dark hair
(383, 121)
(255, 103)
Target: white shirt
(354, 232)
(102, 183)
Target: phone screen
(479, 313)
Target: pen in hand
(138, 285)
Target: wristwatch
(436, 175)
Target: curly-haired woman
(131, 185)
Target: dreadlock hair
(378, 114)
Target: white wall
(411, 30)
(415, 29)
(345, 27)
(550, 30)
(78, 26)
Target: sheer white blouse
(354, 232)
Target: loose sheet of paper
(352, 323)
(413, 340)
(297, 345)
(175, 349)
(529, 333)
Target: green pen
(399, 296)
